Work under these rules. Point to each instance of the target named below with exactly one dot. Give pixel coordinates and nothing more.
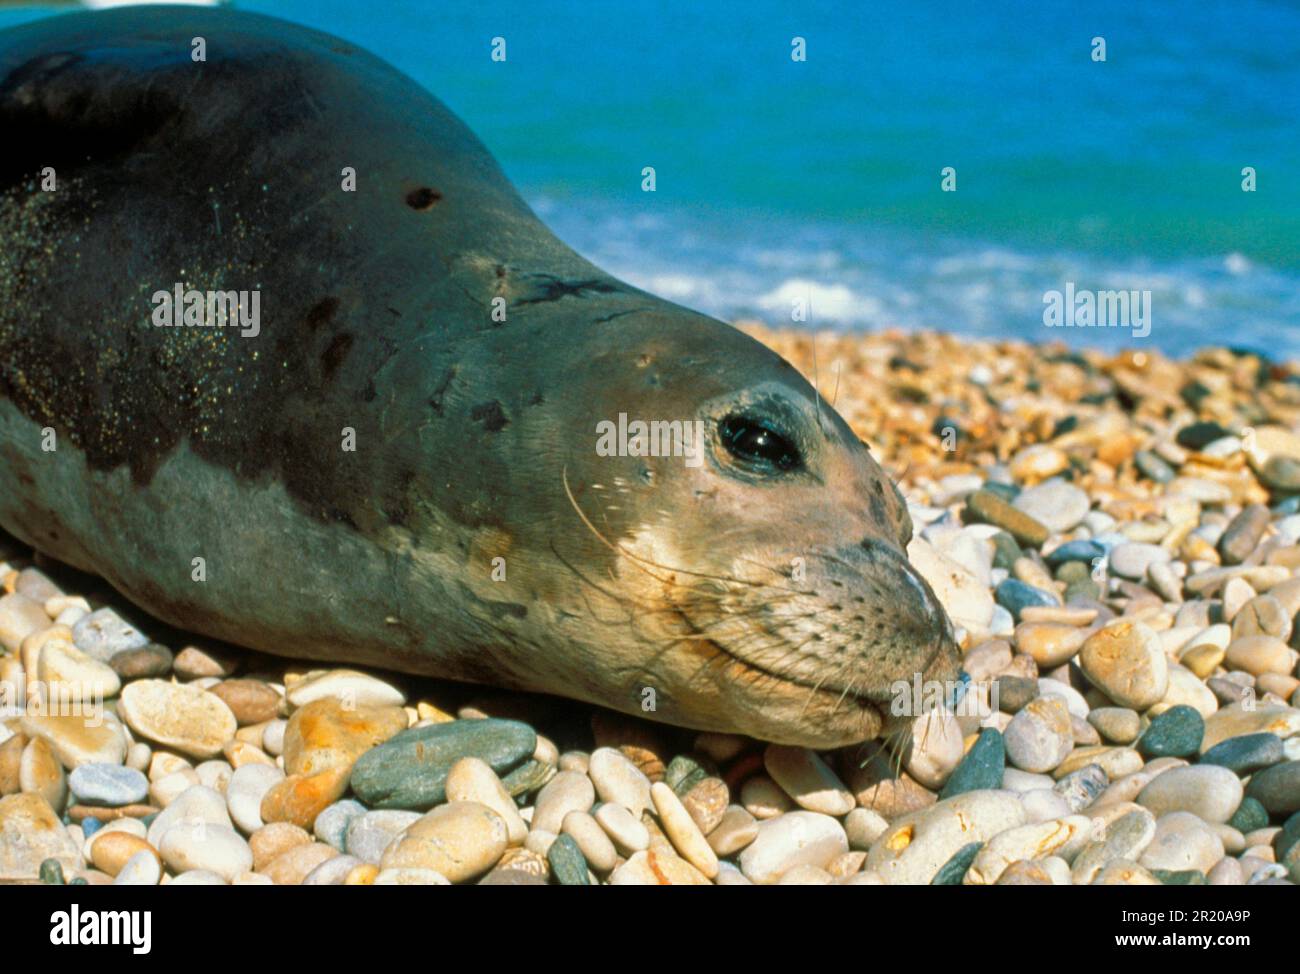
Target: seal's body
(395, 462)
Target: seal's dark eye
(756, 444)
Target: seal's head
(763, 561)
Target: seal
(287, 361)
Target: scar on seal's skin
(554, 289)
(422, 198)
(435, 401)
(322, 312)
(491, 415)
(337, 351)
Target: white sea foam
(857, 277)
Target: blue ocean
(819, 181)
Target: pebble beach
(1115, 538)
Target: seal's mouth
(814, 709)
(820, 664)
(758, 674)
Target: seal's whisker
(847, 689)
(817, 386)
(899, 741)
(639, 560)
(812, 692)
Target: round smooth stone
(73, 675)
(981, 769)
(964, 597)
(217, 849)
(1122, 840)
(473, 780)
(1079, 789)
(682, 831)
(567, 863)
(597, 850)
(331, 825)
(331, 734)
(1015, 596)
(1133, 560)
(707, 802)
(1062, 837)
(459, 840)
(197, 805)
(934, 750)
(77, 741)
(1127, 662)
(625, 829)
(1044, 806)
(1086, 551)
(1050, 644)
(142, 663)
(20, 617)
(199, 877)
(985, 506)
(1154, 468)
(293, 866)
(251, 701)
(1057, 504)
(40, 773)
(112, 849)
(618, 780)
(1209, 792)
(410, 877)
(1227, 872)
(1258, 655)
(409, 771)
(370, 834)
(271, 841)
(1277, 788)
(1263, 615)
(952, 871)
(568, 791)
(1182, 841)
(214, 774)
(809, 780)
(659, 867)
(1243, 533)
(103, 633)
(1249, 816)
(332, 872)
(1246, 754)
(1175, 733)
(918, 844)
(1039, 737)
(357, 688)
(273, 737)
(142, 869)
(1119, 725)
(1236, 720)
(168, 788)
(247, 788)
(794, 839)
(738, 829)
(763, 797)
(177, 715)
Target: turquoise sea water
(779, 180)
